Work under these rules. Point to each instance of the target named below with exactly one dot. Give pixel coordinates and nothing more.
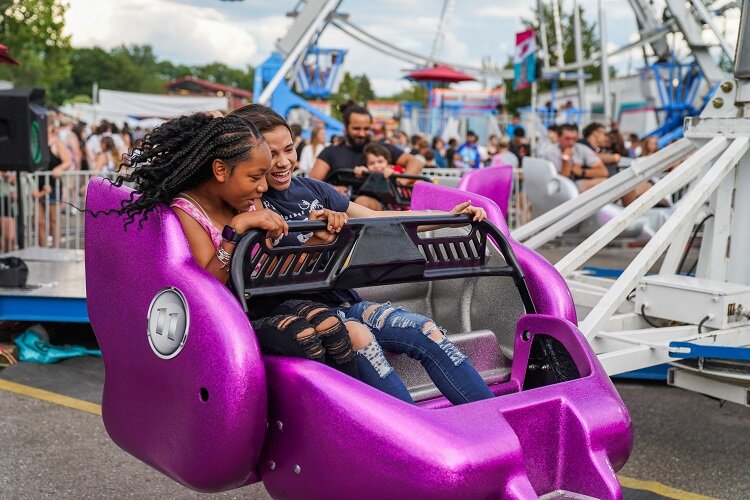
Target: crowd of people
(73, 146)
(588, 156)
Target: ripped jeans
(418, 337)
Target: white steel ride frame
(715, 163)
(716, 169)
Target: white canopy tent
(134, 108)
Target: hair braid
(178, 155)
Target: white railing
(51, 206)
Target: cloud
(242, 33)
(515, 12)
(192, 35)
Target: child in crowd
(394, 328)
(377, 161)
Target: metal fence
(49, 207)
(53, 214)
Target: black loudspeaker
(23, 130)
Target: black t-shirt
(303, 196)
(343, 156)
(612, 168)
(295, 203)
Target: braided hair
(179, 155)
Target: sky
(242, 33)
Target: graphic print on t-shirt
(304, 214)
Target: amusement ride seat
(547, 190)
(495, 183)
(188, 392)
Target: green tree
(33, 30)
(347, 91)
(355, 88)
(589, 42)
(221, 73)
(415, 92)
(364, 89)
(88, 65)
(136, 68)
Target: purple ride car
(188, 392)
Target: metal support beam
(558, 33)
(742, 57)
(579, 54)
(306, 26)
(647, 19)
(687, 209)
(587, 203)
(712, 260)
(697, 382)
(607, 98)
(702, 11)
(671, 262)
(665, 187)
(692, 33)
(636, 357)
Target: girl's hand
(335, 220)
(57, 172)
(466, 208)
(262, 218)
(360, 171)
(387, 172)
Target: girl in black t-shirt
(370, 325)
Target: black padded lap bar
(369, 252)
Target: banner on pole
(524, 60)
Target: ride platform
(55, 290)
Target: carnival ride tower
(695, 318)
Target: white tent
(131, 107)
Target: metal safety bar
(356, 258)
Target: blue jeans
(403, 332)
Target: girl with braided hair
(211, 171)
(370, 325)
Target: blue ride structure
(283, 99)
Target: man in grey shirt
(576, 161)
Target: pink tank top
(202, 218)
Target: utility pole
(606, 97)
(579, 54)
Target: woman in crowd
(107, 161)
(311, 151)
